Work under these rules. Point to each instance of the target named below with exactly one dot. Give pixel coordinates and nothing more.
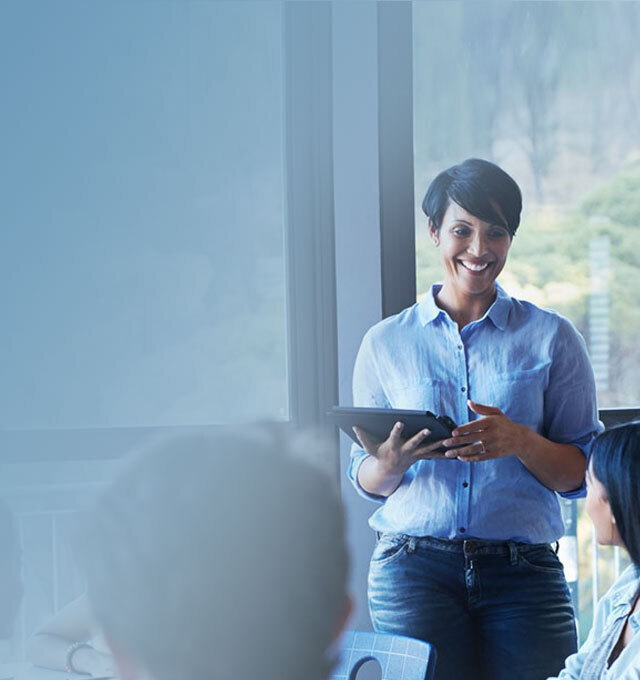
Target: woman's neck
(462, 307)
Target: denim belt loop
(513, 553)
(411, 547)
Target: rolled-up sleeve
(367, 391)
(570, 406)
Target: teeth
(475, 267)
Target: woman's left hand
(493, 436)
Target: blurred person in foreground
(218, 556)
(68, 642)
(612, 650)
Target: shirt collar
(428, 310)
(626, 595)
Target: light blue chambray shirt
(615, 605)
(529, 362)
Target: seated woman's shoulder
(629, 578)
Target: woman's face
(599, 510)
(473, 252)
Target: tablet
(378, 422)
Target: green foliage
(549, 264)
(549, 90)
(618, 199)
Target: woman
(464, 557)
(612, 650)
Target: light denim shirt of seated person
(612, 609)
(529, 362)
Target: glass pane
(142, 169)
(143, 258)
(548, 90)
(41, 499)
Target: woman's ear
(434, 233)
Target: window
(548, 90)
(143, 173)
(143, 259)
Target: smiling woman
(472, 562)
(473, 229)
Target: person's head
(613, 488)
(218, 556)
(10, 572)
(473, 212)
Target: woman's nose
(477, 247)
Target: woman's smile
(475, 267)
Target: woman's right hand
(396, 455)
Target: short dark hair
(615, 461)
(219, 555)
(481, 188)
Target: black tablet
(378, 422)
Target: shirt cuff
(584, 444)
(357, 458)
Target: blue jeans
(493, 610)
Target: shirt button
(463, 389)
(465, 484)
(462, 530)
(460, 347)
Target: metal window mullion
(595, 595)
(309, 228)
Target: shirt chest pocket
(423, 395)
(519, 395)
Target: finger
(474, 459)
(473, 451)
(366, 441)
(461, 441)
(428, 449)
(415, 441)
(431, 455)
(395, 436)
(483, 409)
(474, 426)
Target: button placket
(464, 494)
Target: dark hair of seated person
(481, 188)
(219, 556)
(615, 460)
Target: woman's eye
(498, 233)
(461, 231)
